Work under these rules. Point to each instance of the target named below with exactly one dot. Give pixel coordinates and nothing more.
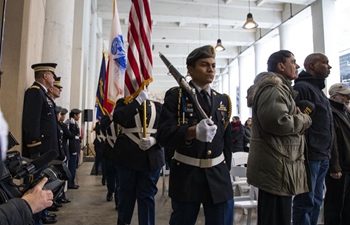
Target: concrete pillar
(233, 83)
(286, 34)
(246, 70)
(22, 47)
(225, 83)
(325, 35)
(260, 62)
(90, 83)
(57, 45)
(80, 52)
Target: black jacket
(39, 122)
(340, 160)
(237, 133)
(189, 183)
(110, 131)
(15, 211)
(127, 152)
(74, 141)
(319, 136)
(99, 139)
(66, 136)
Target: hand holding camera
(37, 198)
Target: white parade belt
(202, 163)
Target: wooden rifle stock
(185, 86)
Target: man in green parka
(276, 162)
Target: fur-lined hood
(263, 79)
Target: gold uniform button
(178, 164)
(209, 152)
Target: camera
(17, 167)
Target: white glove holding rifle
(206, 130)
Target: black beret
(75, 111)
(45, 67)
(64, 111)
(206, 51)
(58, 109)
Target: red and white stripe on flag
(139, 67)
(116, 64)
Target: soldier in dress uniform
(199, 171)
(74, 146)
(139, 158)
(39, 122)
(110, 131)
(55, 92)
(66, 136)
(39, 118)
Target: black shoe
(103, 181)
(52, 215)
(48, 220)
(116, 207)
(52, 208)
(58, 205)
(74, 187)
(65, 200)
(109, 197)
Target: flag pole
(144, 116)
(2, 35)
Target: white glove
(143, 96)
(146, 143)
(206, 130)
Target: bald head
(317, 64)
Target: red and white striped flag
(116, 64)
(139, 67)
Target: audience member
(237, 134)
(247, 134)
(337, 199)
(199, 171)
(309, 85)
(139, 158)
(276, 161)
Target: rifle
(185, 86)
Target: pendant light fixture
(219, 47)
(250, 23)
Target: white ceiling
(179, 26)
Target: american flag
(139, 67)
(116, 64)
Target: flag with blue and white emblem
(115, 76)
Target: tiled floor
(89, 205)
